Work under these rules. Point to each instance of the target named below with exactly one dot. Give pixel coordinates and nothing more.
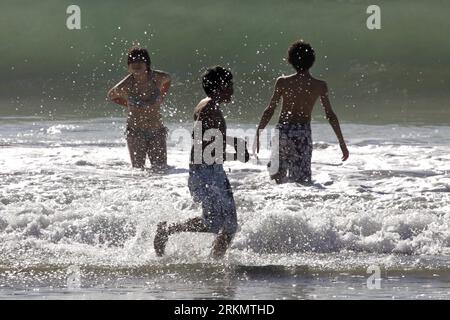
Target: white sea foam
(59, 128)
(74, 200)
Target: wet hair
(301, 55)
(215, 78)
(137, 54)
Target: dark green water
(400, 73)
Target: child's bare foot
(279, 179)
(161, 238)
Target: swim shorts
(291, 153)
(209, 185)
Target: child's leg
(221, 244)
(137, 149)
(300, 160)
(211, 187)
(163, 232)
(157, 149)
(280, 176)
(191, 225)
(226, 206)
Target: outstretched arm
(268, 112)
(118, 93)
(334, 121)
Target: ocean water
(398, 74)
(77, 222)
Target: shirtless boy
(208, 182)
(299, 92)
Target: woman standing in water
(142, 91)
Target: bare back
(299, 93)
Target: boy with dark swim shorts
(291, 155)
(208, 182)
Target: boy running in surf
(208, 182)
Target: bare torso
(148, 116)
(208, 116)
(299, 93)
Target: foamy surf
(70, 198)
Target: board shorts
(292, 147)
(209, 185)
